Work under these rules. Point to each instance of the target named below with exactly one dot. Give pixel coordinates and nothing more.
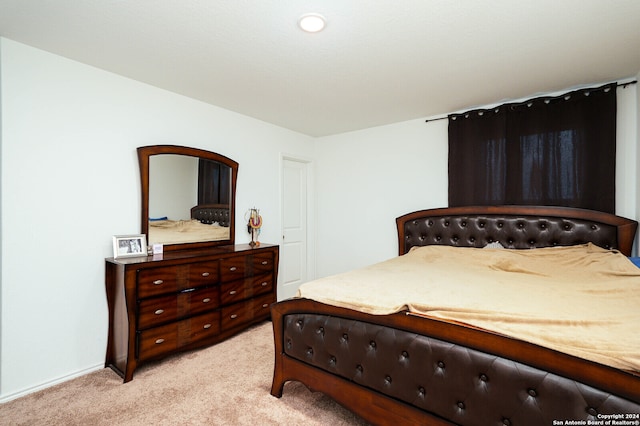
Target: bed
(209, 222)
(411, 366)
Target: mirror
(188, 197)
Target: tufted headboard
(210, 213)
(517, 227)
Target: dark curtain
(546, 151)
(214, 180)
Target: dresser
(186, 299)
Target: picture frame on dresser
(129, 245)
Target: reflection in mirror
(188, 196)
(172, 186)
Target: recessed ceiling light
(312, 22)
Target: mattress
(582, 300)
(185, 231)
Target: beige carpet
(225, 384)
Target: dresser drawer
(232, 268)
(243, 289)
(157, 281)
(200, 300)
(159, 310)
(168, 338)
(170, 279)
(157, 341)
(233, 292)
(246, 311)
(156, 311)
(198, 328)
(203, 273)
(261, 306)
(262, 284)
(262, 263)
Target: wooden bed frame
(407, 369)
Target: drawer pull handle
(265, 262)
(206, 300)
(264, 284)
(207, 326)
(205, 274)
(233, 268)
(234, 316)
(159, 341)
(158, 282)
(232, 292)
(159, 311)
(265, 305)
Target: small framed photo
(129, 245)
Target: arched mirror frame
(144, 155)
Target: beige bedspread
(185, 231)
(582, 300)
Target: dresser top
(189, 254)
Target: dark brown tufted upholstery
(518, 227)
(519, 232)
(209, 214)
(456, 383)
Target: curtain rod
(623, 85)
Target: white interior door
(294, 248)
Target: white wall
(70, 182)
(368, 178)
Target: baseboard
(24, 392)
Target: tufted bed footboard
(403, 369)
(406, 368)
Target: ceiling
(377, 62)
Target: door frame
(311, 228)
